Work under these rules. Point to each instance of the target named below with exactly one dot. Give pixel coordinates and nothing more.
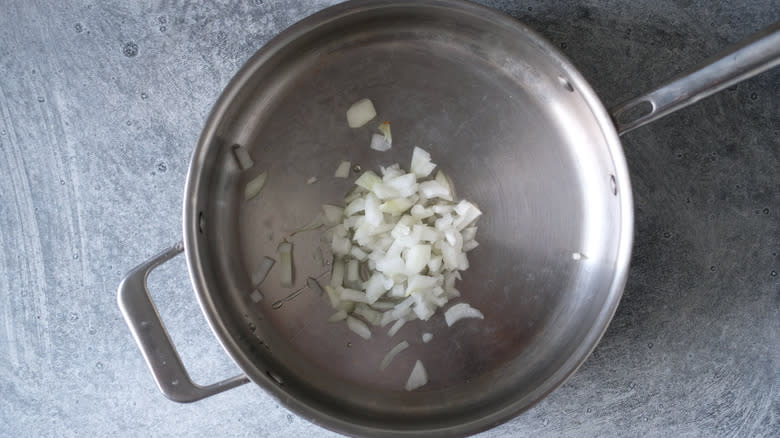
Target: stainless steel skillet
(519, 131)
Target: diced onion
(403, 345)
(311, 180)
(333, 214)
(285, 262)
(359, 327)
(397, 326)
(262, 271)
(384, 128)
(353, 273)
(370, 315)
(421, 163)
(343, 170)
(360, 113)
(338, 316)
(380, 143)
(460, 311)
(337, 273)
(368, 180)
(417, 378)
(242, 157)
(255, 186)
(399, 245)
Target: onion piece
(469, 245)
(403, 345)
(338, 316)
(334, 296)
(417, 378)
(256, 296)
(343, 170)
(355, 206)
(346, 294)
(370, 315)
(262, 271)
(432, 189)
(353, 272)
(333, 214)
(358, 253)
(373, 213)
(360, 113)
(242, 157)
(382, 305)
(380, 143)
(285, 264)
(396, 207)
(368, 180)
(340, 245)
(397, 326)
(384, 128)
(460, 311)
(255, 186)
(337, 273)
(311, 180)
(421, 163)
(359, 327)
(426, 337)
(417, 258)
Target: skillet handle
(757, 54)
(152, 338)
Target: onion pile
(399, 245)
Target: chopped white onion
(368, 180)
(360, 113)
(337, 273)
(460, 311)
(358, 253)
(353, 272)
(255, 186)
(242, 157)
(426, 337)
(256, 296)
(285, 261)
(333, 214)
(311, 180)
(403, 345)
(384, 128)
(380, 143)
(397, 326)
(359, 327)
(399, 246)
(355, 206)
(343, 170)
(421, 163)
(353, 295)
(370, 315)
(383, 305)
(338, 316)
(417, 378)
(262, 270)
(373, 212)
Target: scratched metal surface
(101, 104)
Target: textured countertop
(101, 104)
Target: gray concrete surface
(102, 102)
